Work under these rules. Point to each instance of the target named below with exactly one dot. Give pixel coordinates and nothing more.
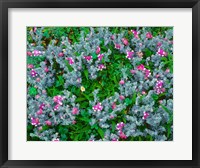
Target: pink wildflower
(58, 99)
(145, 115)
(48, 123)
(120, 126)
(100, 56)
(61, 54)
(167, 70)
(42, 106)
(35, 121)
(147, 73)
(29, 53)
(34, 29)
(30, 66)
(75, 111)
(141, 67)
(135, 33)
(88, 58)
(159, 44)
(143, 92)
(73, 122)
(121, 82)
(70, 59)
(98, 50)
(114, 105)
(46, 69)
(33, 73)
(132, 71)
(36, 52)
(56, 107)
(122, 135)
(101, 67)
(98, 107)
(149, 35)
(129, 54)
(121, 97)
(159, 87)
(112, 37)
(115, 139)
(117, 46)
(39, 112)
(125, 41)
(161, 52)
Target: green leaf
(113, 126)
(94, 56)
(101, 132)
(32, 91)
(86, 73)
(69, 66)
(128, 101)
(166, 109)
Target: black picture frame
(4, 98)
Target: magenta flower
(161, 52)
(88, 58)
(58, 99)
(33, 73)
(117, 46)
(135, 33)
(75, 111)
(42, 106)
(111, 117)
(114, 105)
(61, 54)
(100, 56)
(29, 53)
(101, 67)
(125, 41)
(34, 29)
(167, 70)
(145, 115)
(122, 135)
(46, 69)
(35, 121)
(132, 71)
(70, 59)
(98, 107)
(115, 139)
(98, 50)
(112, 37)
(149, 35)
(121, 82)
(121, 97)
(129, 54)
(159, 44)
(30, 66)
(159, 87)
(141, 67)
(143, 92)
(120, 126)
(48, 123)
(56, 107)
(147, 73)
(74, 122)
(39, 112)
(36, 52)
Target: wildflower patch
(99, 83)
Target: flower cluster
(100, 83)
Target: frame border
(6, 4)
